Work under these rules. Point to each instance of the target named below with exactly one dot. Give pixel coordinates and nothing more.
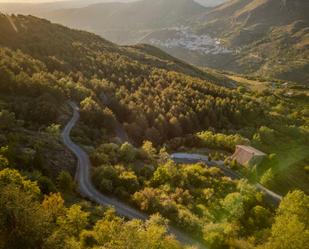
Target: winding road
(87, 189)
(271, 197)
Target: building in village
(247, 155)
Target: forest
(164, 105)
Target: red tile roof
(244, 154)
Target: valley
(237, 36)
(182, 38)
(193, 133)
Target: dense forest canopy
(180, 98)
(163, 104)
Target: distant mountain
(127, 22)
(255, 16)
(268, 38)
(20, 32)
(17, 7)
(261, 37)
(271, 37)
(41, 58)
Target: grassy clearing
(252, 85)
(289, 171)
(292, 151)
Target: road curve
(270, 196)
(87, 190)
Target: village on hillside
(186, 39)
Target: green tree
(260, 218)
(112, 232)
(217, 235)
(129, 181)
(127, 152)
(54, 206)
(8, 120)
(65, 181)
(164, 156)
(168, 173)
(267, 178)
(53, 130)
(23, 221)
(74, 221)
(233, 204)
(149, 150)
(4, 162)
(291, 227)
(13, 178)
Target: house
(247, 155)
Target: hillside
(250, 12)
(123, 71)
(155, 96)
(37, 8)
(271, 37)
(20, 32)
(163, 105)
(263, 38)
(42, 66)
(127, 22)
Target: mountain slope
(267, 38)
(257, 16)
(66, 43)
(151, 92)
(156, 98)
(140, 14)
(271, 36)
(127, 22)
(38, 8)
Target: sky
(34, 1)
(42, 1)
(27, 1)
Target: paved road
(271, 197)
(87, 189)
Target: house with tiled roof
(247, 155)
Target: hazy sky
(42, 1)
(213, 2)
(28, 1)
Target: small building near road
(247, 155)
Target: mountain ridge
(266, 32)
(264, 38)
(20, 30)
(49, 61)
(125, 23)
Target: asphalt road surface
(271, 197)
(87, 189)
